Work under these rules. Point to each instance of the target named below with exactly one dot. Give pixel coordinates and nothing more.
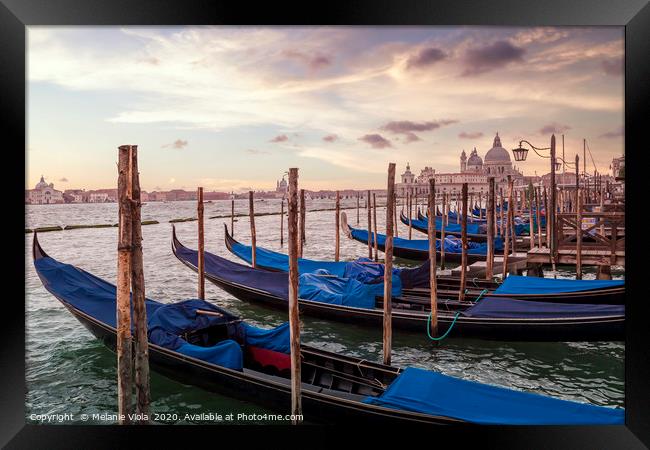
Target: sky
(232, 108)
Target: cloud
(312, 62)
(253, 151)
(613, 67)
(330, 138)
(376, 141)
(470, 135)
(178, 143)
(554, 127)
(63, 180)
(407, 128)
(425, 58)
(614, 133)
(280, 138)
(490, 57)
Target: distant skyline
(232, 108)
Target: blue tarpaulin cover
(276, 283)
(276, 339)
(472, 228)
(226, 353)
(363, 269)
(515, 284)
(96, 297)
(452, 243)
(507, 307)
(324, 288)
(441, 395)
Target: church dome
(497, 154)
(42, 184)
(474, 159)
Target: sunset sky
(232, 108)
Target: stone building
(43, 194)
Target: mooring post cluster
(130, 277)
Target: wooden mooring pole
(369, 227)
(338, 226)
(489, 263)
(463, 237)
(538, 218)
(358, 200)
(374, 215)
(431, 229)
(408, 205)
(282, 222)
(123, 301)
(395, 215)
(442, 230)
(531, 228)
(388, 267)
(201, 253)
(142, 387)
(232, 216)
(303, 217)
(251, 212)
(294, 317)
(579, 237)
(506, 247)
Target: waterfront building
(474, 171)
(98, 197)
(43, 194)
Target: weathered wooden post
(506, 248)
(232, 215)
(201, 252)
(142, 388)
(388, 267)
(463, 237)
(431, 229)
(538, 217)
(579, 238)
(501, 212)
(369, 227)
(409, 199)
(442, 230)
(337, 225)
(358, 195)
(489, 262)
(303, 216)
(294, 317)
(395, 215)
(251, 212)
(123, 301)
(531, 228)
(553, 209)
(374, 215)
(282, 222)
(511, 218)
(548, 222)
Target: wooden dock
(590, 257)
(516, 264)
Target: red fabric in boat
(270, 358)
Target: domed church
(497, 162)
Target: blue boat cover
(170, 320)
(335, 289)
(325, 288)
(363, 269)
(96, 297)
(515, 284)
(441, 395)
(83, 290)
(495, 307)
(472, 228)
(452, 244)
(227, 353)
(276, 339)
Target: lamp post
(520, 153)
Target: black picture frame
(634, 15)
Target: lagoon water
(68, 371)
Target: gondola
(475, 226)
(415, 281)
(475, 232)
(194, 342)
(489, 318)
(418, 249)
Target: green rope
(446, 332)
(484, 291)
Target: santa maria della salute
(474, 171)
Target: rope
(484, 291)
(446, 332)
